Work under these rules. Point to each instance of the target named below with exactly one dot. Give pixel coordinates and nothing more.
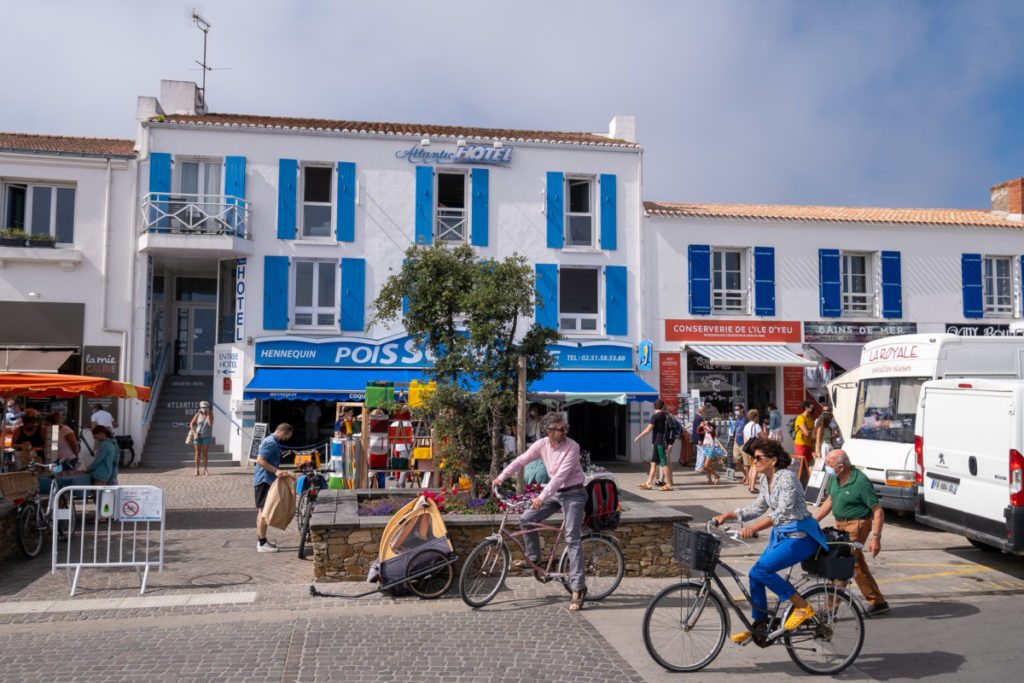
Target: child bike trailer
(415, 555)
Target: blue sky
(867, 103)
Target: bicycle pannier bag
(602, 510)
(835, 563)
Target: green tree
(467, 313)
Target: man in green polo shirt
(854, 504)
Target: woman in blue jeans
(795, 534)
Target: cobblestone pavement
(222, 611)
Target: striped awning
(750, 354)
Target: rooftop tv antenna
(204, 26)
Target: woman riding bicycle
(795, 535)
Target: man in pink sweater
(561, 456)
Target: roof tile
(839, 214)
(66, 145)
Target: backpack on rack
(602, 511)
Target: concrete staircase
(179, 400)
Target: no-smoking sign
(129, 509)
(140, 504)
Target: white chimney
(181, 97)
(623, 128)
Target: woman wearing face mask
(201, 427)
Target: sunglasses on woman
(759, 458)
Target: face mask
(830, 471)
(735, 412)
(202, 410)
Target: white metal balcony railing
(195, 214)
(451, 225)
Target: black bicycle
(685, 625)
(309, 485)
(33, 520)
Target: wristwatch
(878, 536)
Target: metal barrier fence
(109, 526)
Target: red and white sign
(733, 330)
(792, 390)
(669, 380)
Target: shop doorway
(603, 430)
(760, 388)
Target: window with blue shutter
(699, 266)
(555, 209)
(970, 277)
(287, 183)
(345, 230)
(616, 318)
(159, 182)
(830, 286)
(764, 280)
(275, 292)
(353, 286)
(424, 204)
(234, 188)
(892, 285)
(608, 212)
(547, 295)
(478, 210)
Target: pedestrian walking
(658, 428)
(737, 423)
(751, 432)
(561, 456)
(855, 507)
(268, 468)
(201, 428)
(708, 443)
(774, 422)
(696, 437)
(803, 437)
(824, 433)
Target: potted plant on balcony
(13, 237)
(37, 240)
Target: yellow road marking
(931, 576)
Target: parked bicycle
(33, 521)
(685, 625)
(308, 487)
(484, 571)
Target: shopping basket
(695, 549)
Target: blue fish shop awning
(592, 386)
(314, 384)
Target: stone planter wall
(345, 544)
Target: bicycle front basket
(696, 549)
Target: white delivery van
(879, 430)
(970, 436)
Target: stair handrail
(156, 379)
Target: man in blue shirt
(268, 469)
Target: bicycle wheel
(303, 512)
(829, 641)
(483, 574)
(439, 580)
(30, 531)
(604, 566)
(682, 630)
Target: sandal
(666, 487)
(644, 485)
(577, 600)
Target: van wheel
(984, 546)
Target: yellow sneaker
(741, 637)
(799, 616)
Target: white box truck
(970, 436)
(876, 404)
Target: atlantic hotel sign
(467, 154)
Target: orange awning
(34, 385)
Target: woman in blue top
(795, 534)
(104, 466)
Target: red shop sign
(733, 330)
(669, 380)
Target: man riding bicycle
(561, 456)
(795, 534)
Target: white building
(65, 290)
(743, 290)
(265, 239)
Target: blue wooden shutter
(616, 315)
(764, 280)
(608, 212)
(892, 285)
(287, 183)
(830, 286)
(970, 276)
(234, 188)
(555, 210)
(547, 295)
(699, 259)
(478, 211)
(353, 287)
(159, 182)
(345, 230)
(424, 205)
(275, 292)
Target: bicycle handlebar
(734, 534)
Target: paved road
(221, 611)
